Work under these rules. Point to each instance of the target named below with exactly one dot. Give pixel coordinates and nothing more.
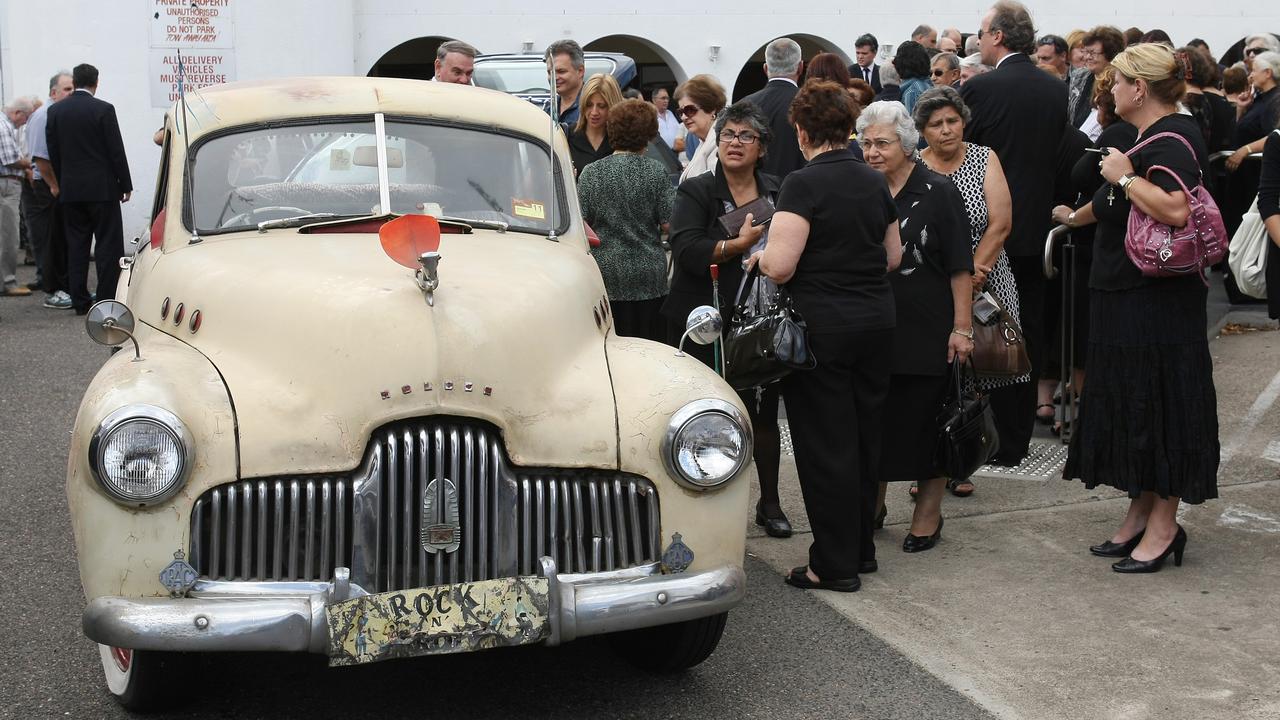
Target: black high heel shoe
(1129, 565)
(916, 543)
(1117, 550)
(778, 527)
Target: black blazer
(774, 100)
(86, 150)
(695, 233)
(1020, 111)
(855, 72)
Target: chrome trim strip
(384, 184)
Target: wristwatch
(963, 333)
(1125, 181)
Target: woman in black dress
(1148, 420)
(933, 294)
(698, 241)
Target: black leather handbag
(767, 338)
(967, 436)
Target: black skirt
(911, 426)
(1149, 413)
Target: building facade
(134, 42)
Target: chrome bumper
(292, 616)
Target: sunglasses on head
(690, 110)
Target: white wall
(344, 37)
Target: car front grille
(372, 521)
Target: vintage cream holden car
(369, 402)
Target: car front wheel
(140, 680)
(671, 648)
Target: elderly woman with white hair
(1257, 114)
(933, 297)
(972, 65)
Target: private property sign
(204, 32)
(192, 24)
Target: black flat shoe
(916, 543)
(1129, 565)
(1116, 550)
(880, 516)
(799, 578)
(778, 527)
(868, 566)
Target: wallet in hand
(760, 209)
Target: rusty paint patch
(439, 620)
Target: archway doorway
(752, 77)
(414, 59)
(655, 67)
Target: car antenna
(188, 193)
(553, 112)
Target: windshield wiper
(300, 220)
(498, 225)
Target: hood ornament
(428, 275)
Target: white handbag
(1247, 255)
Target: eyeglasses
(690, 110)
(939, 72)
(746, 137)
(880, 145)
(1255, 51)
(1090, 53)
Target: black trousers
(44, 227)
(1014, 406)
(85, 221)
(835, 416)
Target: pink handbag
(1161, 250)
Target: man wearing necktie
(865, 49)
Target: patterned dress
(969, 179)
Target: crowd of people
(63, 176)
(901, 191)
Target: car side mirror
(110, 322)
(703, 326)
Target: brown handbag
(998, 347)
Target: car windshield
(330, 169)
(527, 76)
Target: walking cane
(717, 346)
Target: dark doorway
(752, 77)
(414, 59)
(655, 67)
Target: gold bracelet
(723, 256)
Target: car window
(527, 76)
(259, 174)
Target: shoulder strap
(1181, 139)
(1154, 168)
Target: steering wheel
(253, 217)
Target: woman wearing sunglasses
(698, 101)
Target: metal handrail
(1049, 270)
(1224, 154)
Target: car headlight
(707, 444)
(140, 454)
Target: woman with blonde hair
(589, 139)
(1148, 422)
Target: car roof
(241, 103)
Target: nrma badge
(678, 557)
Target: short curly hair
(935, 99)
(705, 91)
(631, 125)
(825, 112)
(911, 60)
(1111, 38)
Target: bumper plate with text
(436, 620)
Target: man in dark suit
(1020, 112)
(864, 52)
(783, 65)
(87, 155)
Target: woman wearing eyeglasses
(698, 101)
(1099, 46)
(698, 240)
(933, 294)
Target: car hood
(320, 339)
